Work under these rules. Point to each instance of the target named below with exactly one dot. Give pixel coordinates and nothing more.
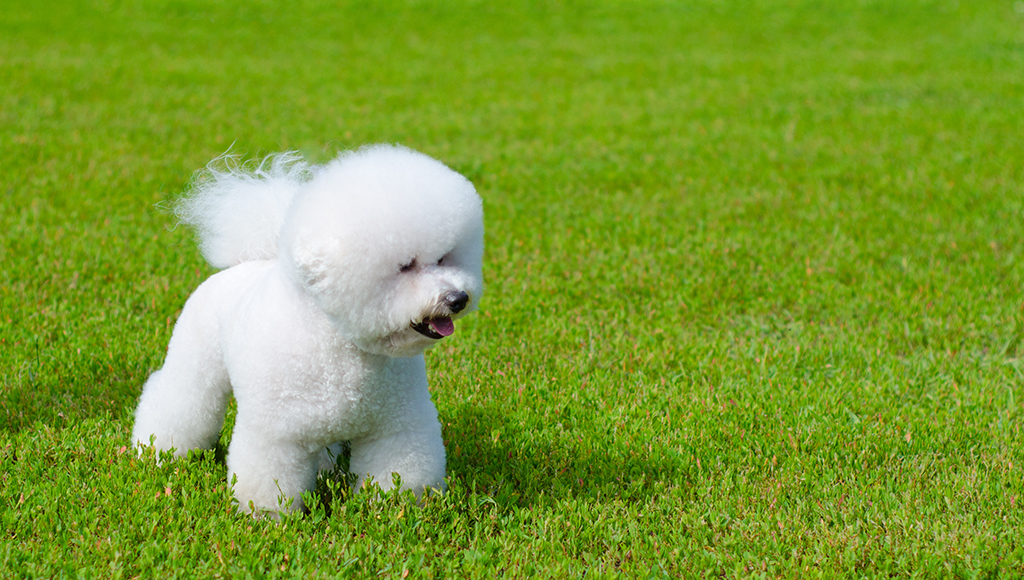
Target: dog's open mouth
(435, 328)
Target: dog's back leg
(183, 403)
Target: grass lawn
(754, 281)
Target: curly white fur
(238, 211)
(338, 278)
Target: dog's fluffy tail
(237, 210)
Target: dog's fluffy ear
(311, 263)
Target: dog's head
(388, 242)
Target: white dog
(337, 278)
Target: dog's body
(320, 339)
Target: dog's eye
(407, 267)
(439, 260)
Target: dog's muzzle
(438, 327)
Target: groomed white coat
(336, 279)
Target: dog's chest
(351, 397)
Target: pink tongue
(442, 326)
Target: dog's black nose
(456, 301)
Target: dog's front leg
(415, 451)
(270, 472)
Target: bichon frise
(336, 279)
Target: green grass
(754, 281)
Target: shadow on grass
(491, 453)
